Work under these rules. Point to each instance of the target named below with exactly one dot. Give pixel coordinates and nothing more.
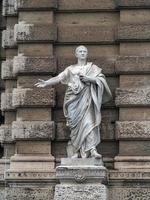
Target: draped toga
(82, 104)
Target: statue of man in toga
(87, 90)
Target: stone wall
(39, 41)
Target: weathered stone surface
(134, 32)
(86, 5)
(30, 193)
(33, 130)
(7, 69)
(82, 33)
(128, 114)
(106, 63)
(35, 4)
(9, 8)
(130, 192)
(132, 65)
(133, 129)
(34, 65)
(134, 3)
(31, 163)
(35, 147)
(81, 191)
(6, 102)
(133, 97)
(134, 147)
(33, 97)
(134, 81)
(8, 39)
(5, 133)
(34, 32)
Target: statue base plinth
(81, 179)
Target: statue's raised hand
(41, 83)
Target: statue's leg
(95, 154)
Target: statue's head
(81, 52)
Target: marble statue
(87, 90)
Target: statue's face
(81, 53)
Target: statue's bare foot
(95, 154)
(75, 155)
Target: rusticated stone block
(133, 97)
(106, 63)
(6, 102)
(86, 33)
(35, 4)
(81, 191)
(34, 65)
(134, 32)
(8, 39)
(132, 65)
(7, 69)
(33, 130)
(133, 191)
(134, 3)
(36, 97)
(9, 8)
(133, 129)
(86, 5)
(34, 32)
(5, 133)
(29, 193)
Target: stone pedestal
(81, 179)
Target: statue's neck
(82, 62)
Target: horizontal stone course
(34, 65)
(132, 97)
(133, 129)
(33, 97)
(35, 4)
(33, 130)
(134, 32)
(132, 65)
(90, 33)
(134, 3)
(34, 32)
(86, 5)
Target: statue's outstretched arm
(52, 81)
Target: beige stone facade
(38, 41)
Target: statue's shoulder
(96, 68)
